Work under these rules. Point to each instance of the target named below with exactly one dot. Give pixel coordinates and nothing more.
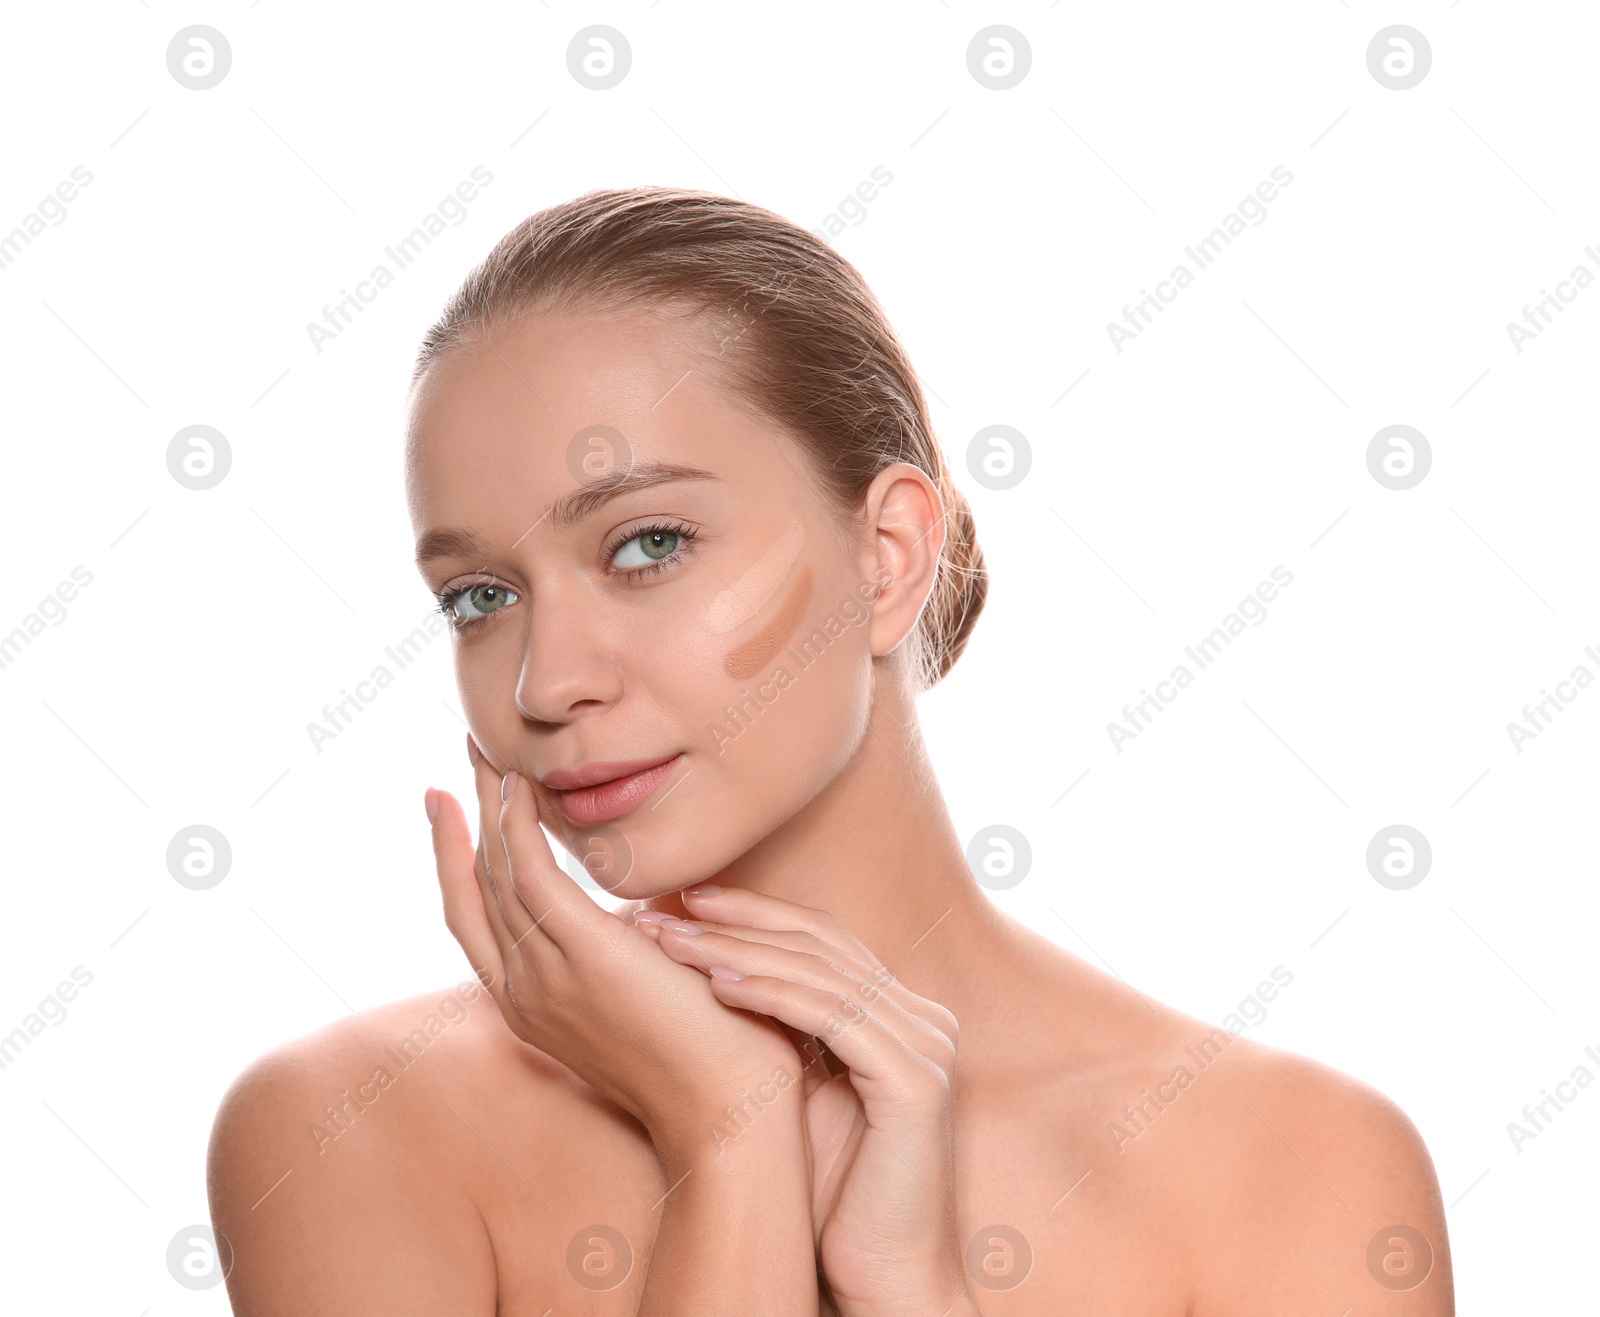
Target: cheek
(748, 597)
(745, 660)
(763, 744)
(793, 696)
(487, 704)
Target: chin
(637, 863)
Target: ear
(904, 515)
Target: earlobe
(907, 519)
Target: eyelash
(685, 534)
(445, 600)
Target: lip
(607, 789)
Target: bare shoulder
(346, 1169)
(1325, 1174)
(1286, 1185)
(1276, 1183)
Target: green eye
(482, 599)
(647, 547)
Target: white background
(1167, 480)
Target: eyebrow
(565, 512)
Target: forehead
(505, 419)
(552, 372)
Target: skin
(749, 659)
(952, 1149)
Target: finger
(706, 950)
(503, 936)
(514, 918)
(784, 939)
(885, 1069)
(784, 919)
(787, 923)
(739, 905)
(464, 914)
(649, 922)
(563, 911)
(820, 1061)
(813, 1069)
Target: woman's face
(641, 574)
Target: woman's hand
(881, 1134)
(583, 985)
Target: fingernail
(678, 926)
(650, 916)
(473, 754)
(723, 972)
(703, 889)
(430, 802)
(508, 786)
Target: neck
(877, 850)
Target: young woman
(674, 483)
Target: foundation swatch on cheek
(750, 657)
(752, 592)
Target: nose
(567, 665)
